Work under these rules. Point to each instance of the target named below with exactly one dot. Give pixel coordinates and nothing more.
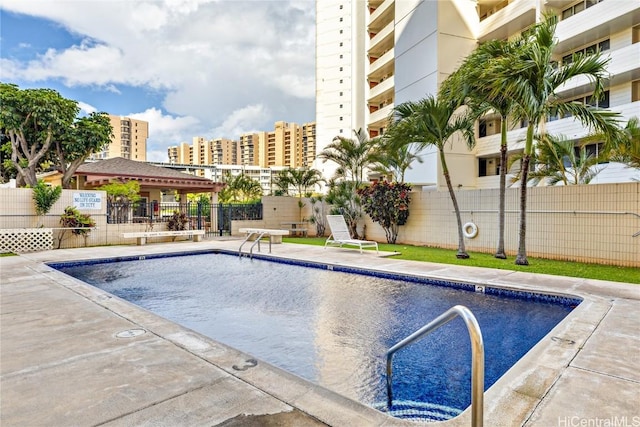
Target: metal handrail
(477, 356)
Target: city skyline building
(372, 56)
(129, 140)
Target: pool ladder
(256, 242)
(477, 357)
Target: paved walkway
(72, 355)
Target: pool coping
(512, 400)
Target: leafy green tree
(302, 180)
(86, 136)
(392, 157)
(531, 79)
(121, 196)
(468, 85)
(387, 203)
(558, 160)
(352, 155)
(78, 223)
(240, 189)
(45, 196)
(42, 125)
(626, 148)
(432, 123)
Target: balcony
(379, 92)
(382, 15)
(596, 22)
(516, 15)
(377, 68)
(623, 67)
(379, 118)
(381, 36)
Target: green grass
(536, 265)
(7, 254)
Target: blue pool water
(333, 328)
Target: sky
(210, 68)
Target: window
(340, 6)
(635, 34)
(340, 68)
(340, 93)
(340, 105)
(579, 7)
(341, 56)
(340, 80)
(341, 31)
(341, 44)
(635, 91)
(602, 46)
(340, 19)
(340, 118)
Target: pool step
(418, 411)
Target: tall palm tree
(394, 157)
(531, 79)
(467, 86)
(558, 160)
(353, 155)
(431, 122)
(626, 149)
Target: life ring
(470, 230)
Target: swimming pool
(333, 328)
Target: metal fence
(215, 219)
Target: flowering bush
(387, 203)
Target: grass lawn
(536, 265)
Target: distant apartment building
(372, 55)
(129, 140)
(288, 145)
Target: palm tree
(559, 161)
(531, 80)
(466, 86)
(393, 157)
(431, 122)
(240, 188)
(627, 148)
(353, 156)
(302, 180)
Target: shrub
(178, 221)
(78, 223)
(387, 203)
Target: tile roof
(119, 166)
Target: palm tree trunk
(503, 186)
(462, 253)
(521, 258)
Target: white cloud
(227, 66)
(86, 108)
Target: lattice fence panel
(20, 240)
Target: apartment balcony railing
(382, 15)
(381, 62)
(517, 14)
(603, 18)
(379, 91)
(623, 66)
(378, 117)
(387, 31)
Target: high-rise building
(288, 145)
(371, 56)
(129, 140)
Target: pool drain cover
(130, 333)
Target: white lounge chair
(340, 235)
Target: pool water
(334, 328)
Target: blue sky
(189, 67)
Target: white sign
(87, 200)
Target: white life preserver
(470, 230)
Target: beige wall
(582, 223)
(591, 223)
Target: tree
(529, 77)
(558, 160)
(302, 180)
(387, 203)
(432, 122)
(353, 156)
(42, 125)
(45, 196)
(240, 189)
(86, 136)
(626, 148)
(120, 198)
(393, 157)
(467, 86)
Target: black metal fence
(215, 219)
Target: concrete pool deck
(73, 355)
